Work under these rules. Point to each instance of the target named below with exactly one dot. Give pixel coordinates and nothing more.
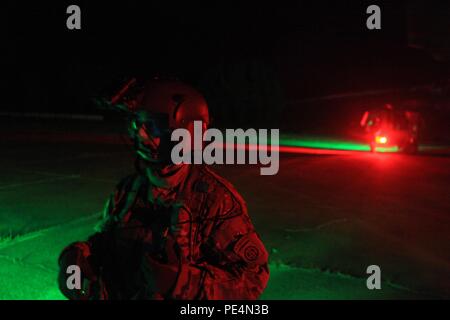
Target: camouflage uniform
(194, 240)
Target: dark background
(309, 68)
(257, 62)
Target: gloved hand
(91, 285)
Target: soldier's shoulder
(126, 182)
(129, 184)
(221, 190)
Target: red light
(381, 139)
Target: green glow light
(323, 143)
(387, 149)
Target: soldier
(169, 231)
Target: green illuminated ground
(32, 276)
(28, 271)
(323, 219)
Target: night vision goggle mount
(142, 125)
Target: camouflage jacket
(204, 235)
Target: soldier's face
(147, 139)
(152, 136)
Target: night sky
(235, 53)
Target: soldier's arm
(236, 266)
(88, 255)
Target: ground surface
(323, 218)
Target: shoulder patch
(251, 250)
